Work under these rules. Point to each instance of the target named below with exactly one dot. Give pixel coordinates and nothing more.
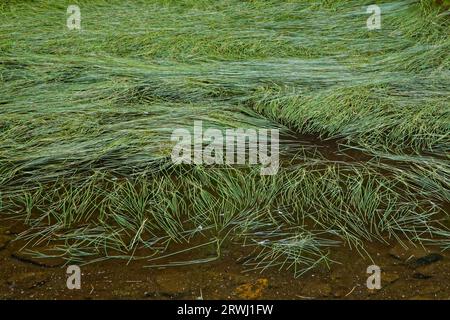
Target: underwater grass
(86, 119)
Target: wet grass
(86, 118)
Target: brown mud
(414, 273)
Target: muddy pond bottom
(406, 273)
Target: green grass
(86, 118)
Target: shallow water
(227, 277)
